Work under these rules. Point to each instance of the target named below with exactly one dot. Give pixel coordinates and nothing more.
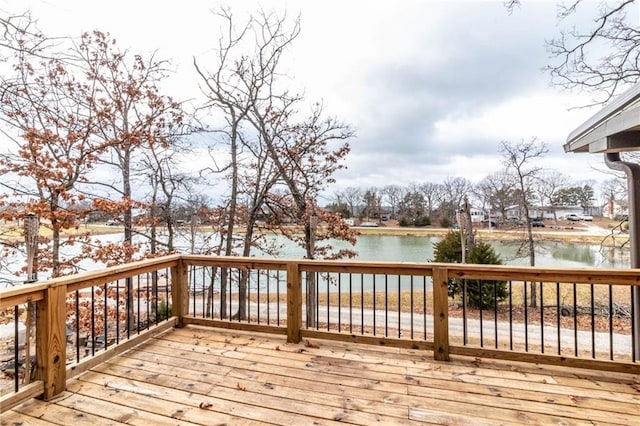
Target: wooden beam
(441, 314)
(32, 390)
(368, 340)
(51, 344)
(179, 292)
(294, 302)
(233, 325)
(548, 359)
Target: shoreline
(560, 234)
(568, 236)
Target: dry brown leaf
(205, 405)
(240, 387)
(308, 344)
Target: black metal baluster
(481, 315)
(541, 317)
(495, 313)
(16, 349)
(526, 319)
(424, 306)
(361, 303)
(575, 320)
(399, 307)
(558, 314)
(511, 315)
(611, 322)
(77, 295)
(93, 322)
(411, 304)
(339, 302)
(374, 304)
(386, 305)
(465, 331)
(106, 316)
(593, 323)
(328, 304)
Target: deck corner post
(294, 303)
(51, 344)
(179, 292)
(440, 314)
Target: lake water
(420, 249)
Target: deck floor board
(205, 376)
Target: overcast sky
(431, 87)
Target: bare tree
(352, 196)
(307, 157)
(601, 59)
(520, 158)
(135, 113)
(278, 162)
(168, 187)
(453, 191)
(393, 194)
(548, 186)
(431, 192)
(21, 34)
(499, 192)
(242, 79)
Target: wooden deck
(206, 376)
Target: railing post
(294, 302)
(51, 344)
(179, 292)
(440, 314)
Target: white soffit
(612, 129)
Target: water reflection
(420, 249)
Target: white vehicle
(586, 217)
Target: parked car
(112, 223)
(572, 217)
(537, 224)
(586, 217)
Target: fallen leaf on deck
(308, 344)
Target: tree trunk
(532, 256)
(312, 302)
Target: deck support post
(51, 344)
(294, 303)
(440, 314)
(179, 292)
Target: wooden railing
(396, 304)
